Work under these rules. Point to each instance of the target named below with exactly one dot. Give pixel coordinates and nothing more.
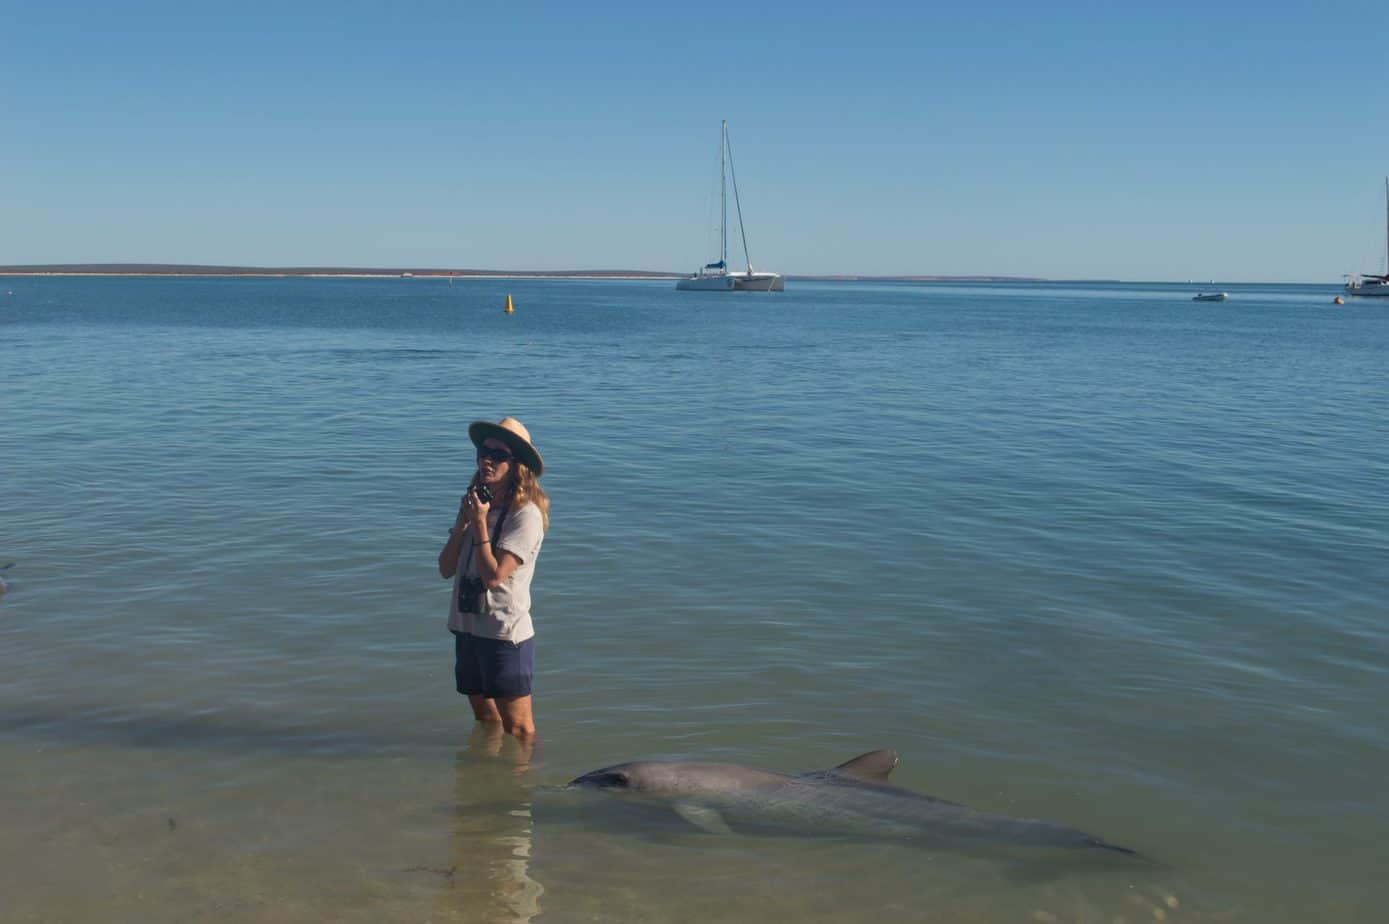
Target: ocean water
(1092, 553)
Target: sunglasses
(498, 456)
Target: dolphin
(852, 798)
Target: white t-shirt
(506, 611)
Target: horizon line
(213, 269)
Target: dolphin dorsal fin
(873, 766)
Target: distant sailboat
(1366, 283)
(715, 277)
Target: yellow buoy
(1338, 300)
(509, 309)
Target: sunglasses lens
(496, 455)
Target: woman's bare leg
(484, 708)
(516, 715)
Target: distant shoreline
(317, 272)
(252, 274)
(161, 269)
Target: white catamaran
(715, 277)
(1366, 283)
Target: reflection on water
(492, 836)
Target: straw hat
(512, 432)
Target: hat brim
(524, 452)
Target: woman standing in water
(491, 556)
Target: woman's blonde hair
(527, 489)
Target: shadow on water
(106, 725)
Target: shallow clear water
(1091, 553)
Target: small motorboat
(1210, 296)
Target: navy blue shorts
(492, 667)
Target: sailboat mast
(1386, 223)
(737, 202)
(723, 195)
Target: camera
(483, 493)
(472, 595)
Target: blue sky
(1107, 140)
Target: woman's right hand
(475, 511)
